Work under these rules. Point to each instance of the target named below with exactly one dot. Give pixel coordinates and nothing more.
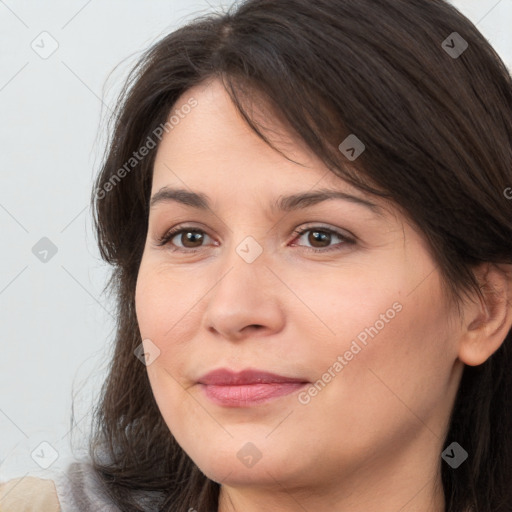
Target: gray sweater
(79, 489)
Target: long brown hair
(437, 129)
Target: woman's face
(361, 325)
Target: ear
(487, 323)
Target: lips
(224, 377)
(248, 387)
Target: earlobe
(488, 321)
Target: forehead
(213, 144)
(212, 152)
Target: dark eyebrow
(283, 203)
(179, 195)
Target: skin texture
(371, 438)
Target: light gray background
(57, 327)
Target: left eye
(194, 238)
(323, 235)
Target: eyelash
(169, 235)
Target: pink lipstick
(249, 387)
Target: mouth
(247, 388)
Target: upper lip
(226, 377)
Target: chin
(244, 466)
(234, 474)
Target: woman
(306, 208)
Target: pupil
(315, 234)
(190, 235)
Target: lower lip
(250, 394)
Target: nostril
(255, 327)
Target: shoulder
(29, 494)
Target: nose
(245, 301)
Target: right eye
(190, 243)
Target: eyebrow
(283, 203)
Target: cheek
(392, 335)
(355, 306)
(157, 312)
(397, 353)
(156, 316)
(165, 303)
